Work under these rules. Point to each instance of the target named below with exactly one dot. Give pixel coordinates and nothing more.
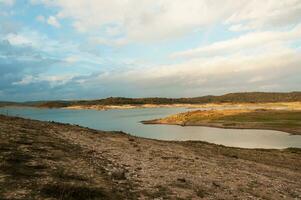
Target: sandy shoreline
(219, 125)
(207, 106)
(276, 106)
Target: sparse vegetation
(34, 164)
(74, 192)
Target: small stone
(118, 174)
(183, 180)
(216, 184)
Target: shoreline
(219, 106)
(278, 105)
(211, 125)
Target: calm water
(129, 121)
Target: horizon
(149, 97)
(95, 49)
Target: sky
(88, 49)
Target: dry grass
(283, 120)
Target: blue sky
(86, 49)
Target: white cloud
(30, 38)
(234, 63)
(113, 30)
(63, 51)
(53, 80)
(71, 59)
(142, 20)
(25, 80)
(41, 42)
(109, 42)
(256, 79)
(163, 19)
(247, 42)
(236, 72)
(53, 22)
(17, 39)
(270, 13)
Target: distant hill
(253, 97)
(7, 103)
(246, 97)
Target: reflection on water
(129, 121)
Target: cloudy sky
(83, 49)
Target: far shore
(218, 106)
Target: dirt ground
(44, 160)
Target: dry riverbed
(41, 160)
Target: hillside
(250, 97)
(246, 97)
(7, 103)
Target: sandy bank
(215, 106)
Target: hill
(246, 97)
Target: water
(129, 121)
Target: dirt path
(40, 160)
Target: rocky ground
(41, 160)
